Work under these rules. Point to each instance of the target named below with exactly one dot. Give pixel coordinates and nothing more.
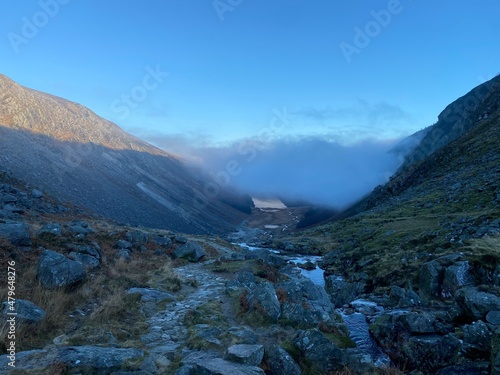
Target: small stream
(356, 322)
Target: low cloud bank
(313, 169)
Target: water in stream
(356, 322)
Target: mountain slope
(80, 157)
(429, 208)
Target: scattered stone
(207, 363)
(477, 340)
(309, 266)
(180, 239)
(153, 295)
(429, 353)
(122, 244)
(319, 351)
(280, 362)
(264, 300)
(137, 237)
(430, 279)
(246, 354)
(37, 194)
(165, 242)
(27, 311)
(87, 260)
(55, 270)
(50, 231)
(124, 255)
(192, 251)
(17, 233)
(80, 227)
(493, 317)
(477, 304)
(93, 250)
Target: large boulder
(297, 315)
(264, 300)
(165, 242)
(457, 276)
(192, 251)
(27, 311)
(246, 354)
(429, 353)
(17, 233)
(280, 362)
(55, 270)
(475, 303)
(319, 351)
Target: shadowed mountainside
(79, 157)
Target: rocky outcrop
(264, 300)
(246, 354)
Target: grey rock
(246, 279)
(94, 250)
(418, 322)
(208, 333)
(7, 198)
(493, 317)
(359, 362)
(55, 270)
(477, 304)
(318, 350)
(429, 353)
(37, 194)
(180, 239)
(137, 237)
(27, 311)
(80, 227)
(97, 357)
(191, 251)
(477, 339)
(122, 244)
(342, 292)
(467, 368)
(186, 370)
(87, 260)
(243, 335)
(50, 230)
(207, 363)
(165, 242)
(153, 295)
(124, 255)
(457, 276)
(246, 354)
(297, 315)
(495, 352)
(401, 298)
(280, 362)
(263, 299)
(430, 280)
(17, 233)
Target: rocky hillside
(67, 150)
(426, 246)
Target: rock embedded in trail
(208, 363)
(192, 251)
(246, 354)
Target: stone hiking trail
(167, 331)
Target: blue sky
(231, 67)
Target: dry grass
(101, 304)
